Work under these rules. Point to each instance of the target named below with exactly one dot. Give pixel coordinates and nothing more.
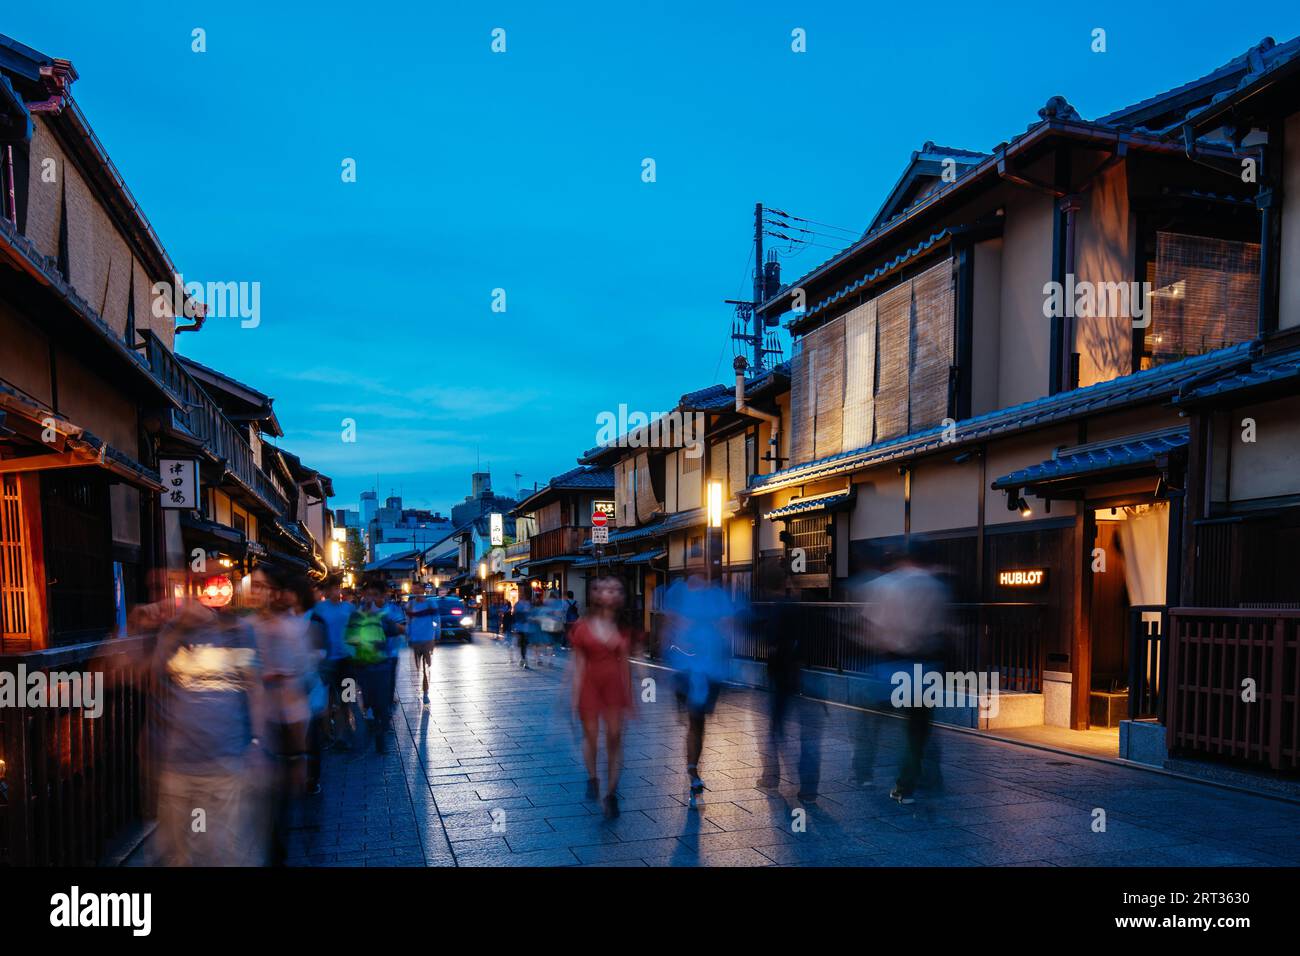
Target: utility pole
(747, 327)
(757, 334)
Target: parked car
(455, 619)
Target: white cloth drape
(1145, 540)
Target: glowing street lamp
(715, 504)
(713, 536)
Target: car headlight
(467, 621)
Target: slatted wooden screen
(1213, 652)
(647, 502)
(932, 345)
(829, 434)
(860, 376)
(1206, 295)
(893, 352)
(737, 472)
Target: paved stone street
(495, 739)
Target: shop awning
(833, 501)
(1132, 457)
(44, 441)
(212, 534)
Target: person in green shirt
(367, 633)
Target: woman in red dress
(602, 683)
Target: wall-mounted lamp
(1023, 507)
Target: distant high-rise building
(369, 505)
(480, 501)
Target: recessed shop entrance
(1124, 603)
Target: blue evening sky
(522, 171)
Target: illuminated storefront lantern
(217, 591)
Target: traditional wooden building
(559, 543)
(93, 403)
(1000, 363)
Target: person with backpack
(550, 622)
(368, 633)
(571, 615)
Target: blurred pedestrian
(523, 625)
(422, 634)
(571, 615)
(288, 642)
(699, 619)
(508, 621)
(369, 631)
(782, 629)
(907, 611)
(395, 629)
(551, 625)
(334, 613)
(602, 682)
(208, 708)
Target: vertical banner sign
(180, 478)
(498, 532)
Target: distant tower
(369, 505)
(480, 484)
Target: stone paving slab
(489, 773)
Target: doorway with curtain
(1126, 604)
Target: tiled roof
(1267, 370)
(882, 270)
(810, 504)
(592, 562)
(705, 399)
(679, 521)
(1119, 455)
(394, 562)
(1150, 385)
(582, 478)
(1186, 100)
(585, 476)
(645, 557)
(713, 398)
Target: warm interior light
(715, 504)
(482, 570)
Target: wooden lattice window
(810, 534)
(13, 568)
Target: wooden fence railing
(71, 782)
(1005, 636)
(1234, 682)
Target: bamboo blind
(860, 375)
(932, 345)
(1206, 295)
(893, 352)
(646, 502)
